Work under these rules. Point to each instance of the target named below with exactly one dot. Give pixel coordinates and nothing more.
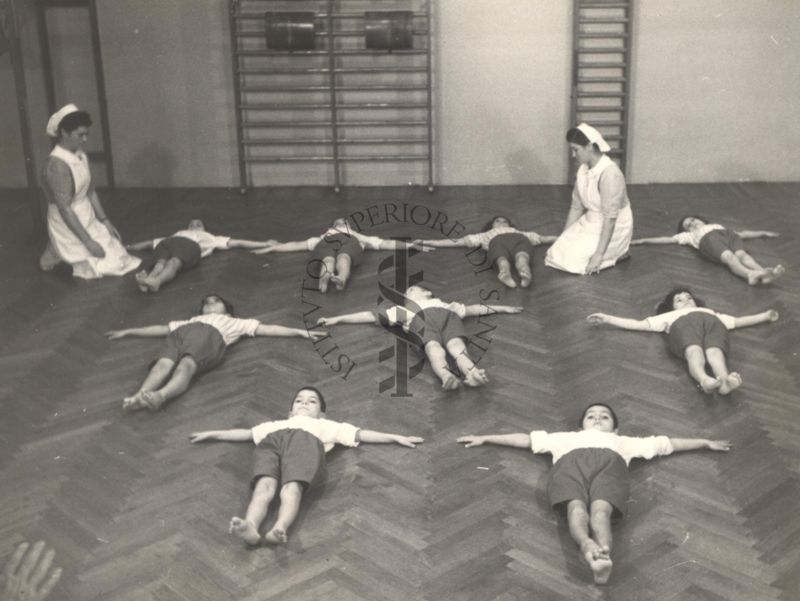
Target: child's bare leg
(696, 361)
(291, 494)
(247, 528)
(343, 263)
(600, 520)
(522, 261)
(326, 272)
(504, 272)
(438, 358)
(578, 521)
(730, 381)
(162, 274)
(473, 376)
(175, 386)
(753, 276)
(157, 375)
(748, 261)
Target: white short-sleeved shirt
(371, 242)
(483, 239)
(327, 431)
(231, 328)
(208, 243)
(664, 321)
(693, 237)
(627, 447)
(403, 316)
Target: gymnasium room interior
(415, 120)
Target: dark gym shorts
(333, 245)
(437, 324)
(700, 328)
(508, 245)
(590, 475)
(178, 247)
(715, 242)
(290, 455)
(200, 341)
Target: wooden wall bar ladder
(601, 73)
(336, 101)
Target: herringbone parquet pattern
(135, 512)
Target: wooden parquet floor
(135, 512)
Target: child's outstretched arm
(360, 317)
(692, 444)
(537, 239)
(371, 436)
(144, 245)
(655, 240)
(237, 435)
(147, 332)
(237, 243)
(748, 234)
(640, 325)
(448, 243)
(757, 318)
(272, 330)
(521, 440)
(475, 310)
(282, 247)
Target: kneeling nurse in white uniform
(80, 232)
(600, 223)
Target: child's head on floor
(214, 303)
(599, 416)
(308, 401)
(679, 297)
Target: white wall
(715, 94)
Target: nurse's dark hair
(613, 415)
(666, 304)
(315, 391)
(73, 121)
(576, 136)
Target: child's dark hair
(228, 305)
(665, 306)
(576, 136)
(610, 410)
(490, 224)
(685, 217)
(315, 391)
(73, 121)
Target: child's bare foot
(732, 381)
(756, 277)
(709, 384)
(449, 382)
(133, 403)
(476, 377)
(151, 400)
(338, 282)
(504, 275)
(773, 273)
(525, 277)
(599, 560)
(244, 530)
(324, 278)
(152, 284)
(140, 276)
(276, 536)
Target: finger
(41, 570)
(13, 563)
(50, 583)
(31, 560)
